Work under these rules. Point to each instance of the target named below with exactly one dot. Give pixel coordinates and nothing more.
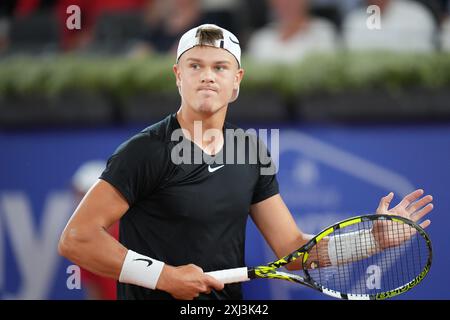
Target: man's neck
(189, 119)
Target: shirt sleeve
(136, 167)
(267, 184)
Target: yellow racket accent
(349, 222)
(324, 234)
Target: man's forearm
(94, 250)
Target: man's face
(207, 77)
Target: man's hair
(208, 36)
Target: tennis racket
(366, 257)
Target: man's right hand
(186, 282)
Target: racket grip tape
(230, 275)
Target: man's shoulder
(248, 136)
(236, 128)
(159, 131)
(152, 138)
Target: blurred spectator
(165, 23)
(445, 26)
(72, 40)
(292, 35)
(256, 13)
(445, 35)
(91, 12)
(28, 26)
(6, 12)
(4, 34)
(405, 26)
(437, 8)
(328, 9)
(343, 5)
(33, 26)
(97, 288)
(25, 8)
(222, 13)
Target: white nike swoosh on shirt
(215, 168)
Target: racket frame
(269, 271)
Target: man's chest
(206, 192)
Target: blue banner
(326, 174)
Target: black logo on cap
(237, 42)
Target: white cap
(229, 42)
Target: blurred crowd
(270, 30)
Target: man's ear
(238, 78)
(176, 71)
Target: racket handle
(230, 275)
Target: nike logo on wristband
(215, 168)
(146, 260)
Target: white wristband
(351, 247)
(140, 270)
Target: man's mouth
(207, 89)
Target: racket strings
(362, 266)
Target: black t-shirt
(186, 213)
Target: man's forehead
(208, 54)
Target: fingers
(413, 196)
(425, 224)
(420, 203)
(189, 281)
(421, 213)
(204, 288)
(207, 282)
(384, 203)
(213, 283)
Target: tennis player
(180, 220)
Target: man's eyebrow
(215, 62)
(193, 59)
(222, 62)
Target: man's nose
(207, 75)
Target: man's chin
(208, 109)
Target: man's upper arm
(133, 171)
(102, 206)
(277, 225)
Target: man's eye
(195, 66)
(220, 68)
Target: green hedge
(121, 77)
